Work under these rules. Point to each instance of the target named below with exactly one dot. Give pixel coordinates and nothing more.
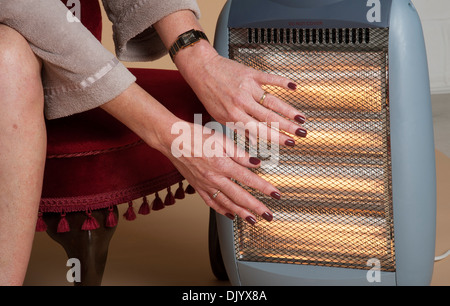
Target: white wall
(435, 16)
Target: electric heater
(358, 200)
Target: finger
(266, 132)
(224, 206)
(268, 114)
(245, 203)
(244, 175)
(223, 209)
(275, 104)
(243, 158)
(229, 209)
(275, 80)
(252, 180)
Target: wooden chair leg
(90, 247)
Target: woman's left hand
(232, 92)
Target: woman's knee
(19, 65)
(15, 49)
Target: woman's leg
(22, 153)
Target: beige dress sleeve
(134, 36)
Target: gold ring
(261, 101)
(216, 194)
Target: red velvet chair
(95, 163)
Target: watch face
(189, 38)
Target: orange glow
(350, 96)
(331, 183)
(320, 234)
(335, 140)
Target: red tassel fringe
(90, 223)
(190, 189)
(145, 207)
(179, 193)
(157, 203)
(40, 224)
(111, 219)
(63, 225)
(130, 214)
(170, 199)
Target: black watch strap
(186, 39)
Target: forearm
(141, 112)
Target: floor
(170, 247)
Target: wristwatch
(185, 40)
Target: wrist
(159, 136)
(186, 40)
(192, 61)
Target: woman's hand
(212, 172)
(232, 92)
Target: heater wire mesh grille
(336, 208)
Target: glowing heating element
(336, 208)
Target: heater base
(270, 274)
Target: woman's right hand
(215, 173)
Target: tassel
(111, 219)
(170, 199)
(145, 207)
(157, 203)
(190, 189)
(63, 225)
(40, 224)
(129, 214)
(90, 223)
(179, 193)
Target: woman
(49, 62)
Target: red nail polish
(289, 143)
(250, 220)
(254, 161)
(267, 216)
(301, 132)
(275, 195)
(229, 216)
(300, 119)
(292, 86)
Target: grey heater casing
(412, 139)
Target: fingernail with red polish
(301, 132)
(292, 86)
(267, 216)
(275, 195)
(289, 143)
(300, 119)
(230, 216)
(254, 161)
(250, 220)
